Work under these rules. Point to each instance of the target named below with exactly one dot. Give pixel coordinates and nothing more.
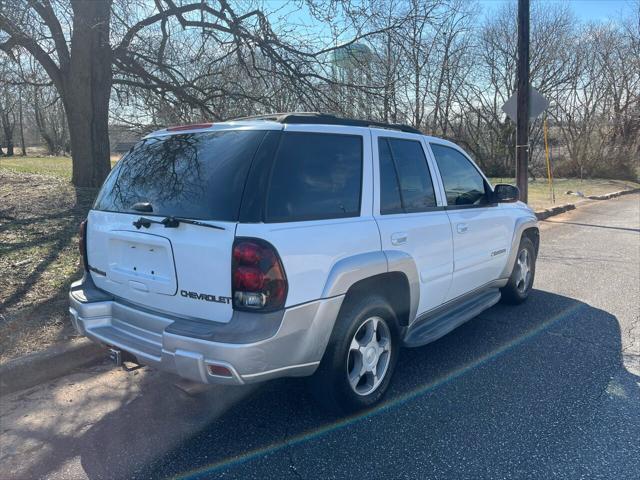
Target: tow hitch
(122, 358)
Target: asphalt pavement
(548, 389)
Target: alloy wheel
(523, 274)
(369, 356)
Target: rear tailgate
(184, 271)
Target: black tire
(330, 385)
(515, 292)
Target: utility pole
(522, 123)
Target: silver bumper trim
(295, 349)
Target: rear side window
(405, 181)
(463, 184)
(315, 176)
(199, 176)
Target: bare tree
(8, 107)
(436, 64)
(86, 47)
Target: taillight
(82, 244)
(257, 276)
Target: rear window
(198, 175)
(315, 176)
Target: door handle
(399, 238)
(462, 227)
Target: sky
(586, 10)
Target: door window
(463, 184)
(405, 181)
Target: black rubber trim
(256, 183)
(316, 118)
(96, 270)
(244, 327)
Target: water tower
(351, 68)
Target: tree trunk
(40, 123)
(8, 135)
(7, 130)
(86, 92)
(9, 146)
(23, 146)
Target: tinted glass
(390, 201)
(463, 183)
(198, 176)
(413, 177)
(315, 176)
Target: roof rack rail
(317, 118)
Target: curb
(557, 210)
(607, 196)
(57, 361)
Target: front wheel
(357, 367)
(521, 280)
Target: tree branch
(45, 10)
(18, 38)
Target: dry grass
(540, 198)
(39, 217)
(56, 166)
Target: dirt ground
(39, 218)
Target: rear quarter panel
(310, 249)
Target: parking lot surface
(547, 389)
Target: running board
(433, 325)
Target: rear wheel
(521, 280)
(359, 361)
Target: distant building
(122, 138)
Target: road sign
(537, 104)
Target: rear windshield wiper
(172, 222)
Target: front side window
(463, 184)
(405, 181)
(315, 176)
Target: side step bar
(433, 325)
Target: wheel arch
(533, 234)
(392, 274)
(524, 226)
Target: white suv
(292, 245)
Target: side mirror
(504, 193)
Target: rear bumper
(253, 347)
